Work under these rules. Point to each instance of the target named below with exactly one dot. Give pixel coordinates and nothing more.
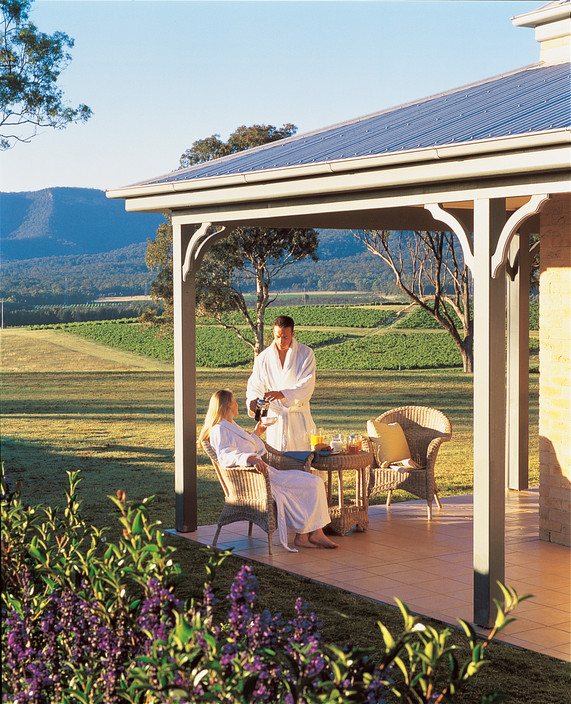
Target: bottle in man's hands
(261, 409)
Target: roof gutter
(542, 153)
(517, 143)
(453, 151)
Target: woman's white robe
(300, 497)
(296, 381)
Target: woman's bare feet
(315, 539)
(319, 538)
(302, 541)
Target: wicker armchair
(425, 430)
(248, 494)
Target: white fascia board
(433, 154)
(553, 159)
(542, 15)
(346, 207)
(555, 30)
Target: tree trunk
(467, 362)
(259, 345)
(262, 298)
(467, 354)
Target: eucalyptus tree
(30, 64)
(429, 268)
(249, 258)
(242, 138)
(246, 261)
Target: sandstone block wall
(555, 371)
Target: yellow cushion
(388, 442)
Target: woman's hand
(260, 428)
(258, 463)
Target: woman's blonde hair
(219, 404)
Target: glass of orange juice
(316, 437)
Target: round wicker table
(345, 515)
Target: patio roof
(508, 136)
(532, 100)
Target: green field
(110, 414)
(343, 338)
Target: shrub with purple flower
(88, 621)
(76, 612)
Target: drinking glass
(316, 437)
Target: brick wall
(555, 371)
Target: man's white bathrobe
(296, 381)
(300, 496)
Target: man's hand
(273, 396)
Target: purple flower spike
(242, 597)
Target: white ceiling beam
(350, 207)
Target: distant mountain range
(64, 221)
(78, 242)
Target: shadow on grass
(345, 400)
(138, 470)
(70, 409)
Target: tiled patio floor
(429, 565)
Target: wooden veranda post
(489, 412)
(517, 447)
(184, 296)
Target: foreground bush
(86, 621)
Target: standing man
(284, 375)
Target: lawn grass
(115, 425)
(118, 426)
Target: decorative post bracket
(199, 243)
(519, 216)
(438, 213)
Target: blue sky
(159, 74)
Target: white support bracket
(512, 267)
(514, 222)
(438, 213)
(198, 245)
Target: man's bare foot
(302, 541)
(319, 538)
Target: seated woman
(300, 497)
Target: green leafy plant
(86, 621)
(73, 603)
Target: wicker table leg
(344, 517)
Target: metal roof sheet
(533, 99)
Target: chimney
(552, 23)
